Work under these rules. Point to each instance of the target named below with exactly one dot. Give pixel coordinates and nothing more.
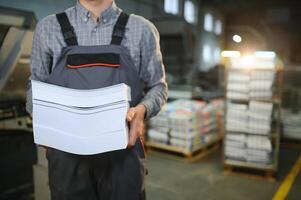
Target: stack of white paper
(261, 84)
(291, 124)
(238, 85)
(259, 142)
(257, 84)
(259, 149)
(186, 123)
(260, 117)
(249, 148)
(80, 121)
(237, 117)
(235, 146)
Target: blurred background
(232, 126)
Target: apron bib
(112, 175)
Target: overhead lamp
(265, 54)
(236, 38)
(230, 54)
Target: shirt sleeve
(41, 59)
(152, 71)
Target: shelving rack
(274, 133)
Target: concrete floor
(167, 179)
(174, 180)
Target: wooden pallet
(250, 172)
(180, 154)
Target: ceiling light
(236, 38)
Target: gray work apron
(117, 175)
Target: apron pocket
(75, 61)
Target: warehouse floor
(168, 179)
(174, 180)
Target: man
(104, 46)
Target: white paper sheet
(80, 98)
(80, 121)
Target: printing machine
(16, 33)
(180, 44)
(17, 150)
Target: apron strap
(119, 28)
(67, 29)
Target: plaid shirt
(141, 38)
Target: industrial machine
(179, 51)
(17, 150)
(16, 33)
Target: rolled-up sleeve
(41, 57)
(152, 71)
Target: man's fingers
(133, 134)
(130, 114)
(136, 125)
(132, 140)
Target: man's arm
(152, 71)
(41, 57)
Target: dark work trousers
(107, 176)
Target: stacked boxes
(186, 123)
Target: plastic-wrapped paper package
(235, 153)
(238, 87)
(261, 84)
(258, 156)
(260, 117)
(238, 76)
(263, 75)
(189, 122)
(291, 124)
(259, 142)
(237, 117)
(238, 95)
(158, 135)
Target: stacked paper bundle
(253, 118)
(256, 84)
(250, 148)
(235, 146)
(259, 149)
(261, 83)
(260, 117)
(291, 125)
(238, 85)
(237, 117)
(185, 123)
(80, 121)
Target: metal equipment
(16, 33)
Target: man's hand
(135, 117)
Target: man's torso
(90, 32)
